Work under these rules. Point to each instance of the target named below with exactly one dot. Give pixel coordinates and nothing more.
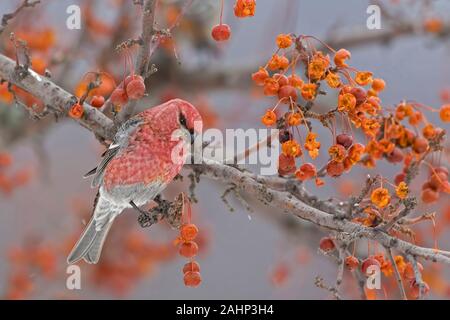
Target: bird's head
(175, 116)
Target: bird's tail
(90, 243)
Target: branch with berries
(376, 215)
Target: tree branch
(143, 58)
(54, 97)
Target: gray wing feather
(119, 143)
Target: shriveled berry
(344, 140)
(326, 244)
(395, 156)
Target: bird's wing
(119, 143)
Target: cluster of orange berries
(358, 103)
(242, 9)
(378, 260)
(189, 249)
(37, 259)
(131, 88)
(436, 183)
(10, 181)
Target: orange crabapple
(437, 181)
(294, 118)
(119, 97)
(221, 32)
(429, 195)
(312, 145)
(380, 197)
(295, 81)
(306, 171)
(355, 152)
(444, 113)
(281, 79)
(278, 62)
(76, 111)
(334, 168)
(271, 87)
(191, 266)
(284, 41)
(192, 279)
(244, 8)
(337, 152)
(351, 262)
(287, 94)
(378, 84)
(433, 25)
(188, 249)
(386, 146)
(291, 148)
(402, 190)
(346, 102)
(188, 232)
(326, 244)
(134, 86)
(415, 118)
(309, 91)
(259, 77)
(420, 145)
(97, 101)
(429, 131)
(269, 118)
(333, 80)
(286, 164)
(340, 56)
(317, 68)
(363, 78)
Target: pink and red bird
(147, 152)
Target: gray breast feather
(139, 193)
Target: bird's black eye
(182, 120)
